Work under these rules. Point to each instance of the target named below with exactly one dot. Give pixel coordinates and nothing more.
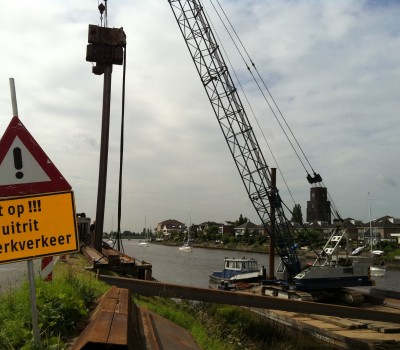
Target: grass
(392, 254)
(222, 327)
(63, 306)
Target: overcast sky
(332, 66)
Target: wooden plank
(108, 304)
(101, 328)
(119, 327)
(385, 327)
(119, 330)
(113, 293)
(341, 322)
(110, 323)
(123, 302)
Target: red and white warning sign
(24, 167)
(46, 268)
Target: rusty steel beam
(150, 288)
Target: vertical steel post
(102, 184)
(13, 97)
(271, 272)
(31, 274)
(32, 296)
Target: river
(192, 269)
(173, 266)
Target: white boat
(143, 243)
(186, 247)
(357, 251)
(377, 252)
(235, 271)
(110, 241)
(377, 271)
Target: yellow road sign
(37, 226)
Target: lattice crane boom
(235, 126)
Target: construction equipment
(328, 274)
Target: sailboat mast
(370, 222)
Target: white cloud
(332, 68)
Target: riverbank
(64, 308)
(389, 261)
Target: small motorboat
(377, 271)
(236, 270)
(357, 251)
(377, 252)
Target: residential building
(248, 226)
(379, 229)
(169, 226)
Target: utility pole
(105, 48)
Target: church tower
(318, 207)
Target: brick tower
(318, 207)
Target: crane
(251, 164)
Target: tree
(241, 220)
(308, 238)
(297, 215)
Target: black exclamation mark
(39, 205)
(18, 162)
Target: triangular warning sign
(24, 167)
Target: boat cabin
(243, 264)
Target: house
(379, 229)
(325, 229)
(169, 226)
(249, 227)
(361, 233)
(227, 229)
(208, 227)
(396, 236)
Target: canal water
(192, 269)
(173, 266)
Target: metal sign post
(32, 297)
(31, 274)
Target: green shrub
(63, 305)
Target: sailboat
(185, 247)
(144, 242)
(375, 270)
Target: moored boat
(110, 241)
(377, 271)
(236, 270)
(357, 251)
(143, 243)
(185, 248)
